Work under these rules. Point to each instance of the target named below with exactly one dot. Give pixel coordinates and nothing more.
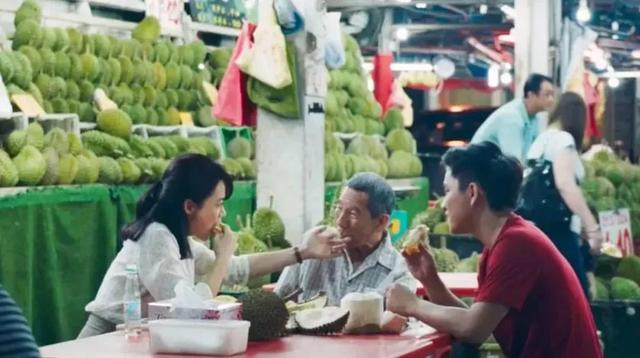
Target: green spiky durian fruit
(76, 42)
(101, 45)
(67, 169)
(28, 10)
(6, 66)
(89, 67)
(269, 227)
(130, 171)
(15, 142)
(239, 147)
(207, 145)
(31, 165)
(25, 32)
(24, 73)
(75, 144)
(126, 70)
(35, 135)
(57, 139)
(110, 172)
(232, 167)
(115, 122)
(624, 289)
(8, 171)
(147, 30)
(248, 168)
(173, 74)
(88, 168)
(51, 159)
(34, 58)
(267, 313)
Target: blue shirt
(511, 128)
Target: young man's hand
(421, 264)
(401, 300)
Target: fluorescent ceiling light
(613, 82)
(404, 66)
(509, 11)
(402, 34)
(583, 14)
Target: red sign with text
(616, 229)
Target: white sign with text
(616, 229)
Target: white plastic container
(198, 336)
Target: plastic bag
(288, 16)
(400, 99)
(266, 60)
(284, 101)
(334, 56)
(233, 105)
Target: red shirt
(548, 313)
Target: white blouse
(157, 256)
(549, 145)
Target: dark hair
(188, 177)
(534, 83)
(571, 112)
(381, 198)
(499, 175)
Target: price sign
(616, 229)
(225, 13)
(168, 12)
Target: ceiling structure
(473, 33)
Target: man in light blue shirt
(514, 126)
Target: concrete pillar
(534, 22)
(290, 152)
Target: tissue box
(198, 337)
(226, 311)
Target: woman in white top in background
(561, 144)
(165, 243)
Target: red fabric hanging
(382, 78)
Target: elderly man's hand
(401, 300)
(322, 242)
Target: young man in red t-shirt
(528, 295)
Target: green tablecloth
(55, 246)
(56, 243)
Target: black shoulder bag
(540, 200)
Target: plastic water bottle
(131, 302)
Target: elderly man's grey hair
(382, 200)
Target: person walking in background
(514, 126)
(561, 144)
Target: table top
(461, 284)
(115, 345)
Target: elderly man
(369, 263)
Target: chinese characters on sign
(168, 12)
(616, 229)
(225, 13)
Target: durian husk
(330, 328)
